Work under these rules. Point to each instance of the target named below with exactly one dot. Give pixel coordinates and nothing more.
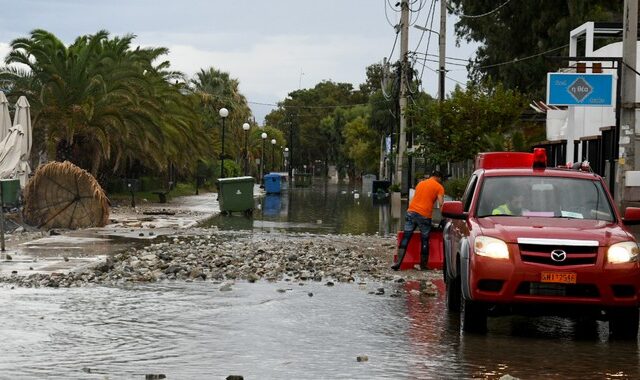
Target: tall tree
(522, 28)
(456, 129)
(98, 102)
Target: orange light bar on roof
(504, 160)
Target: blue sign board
(585, 90)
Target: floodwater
(321, 208)
(283, 330)
(194, 331)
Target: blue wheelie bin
(272, 183)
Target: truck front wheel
(623, 323)
(454, 293)
(474, 317)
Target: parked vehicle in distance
(526, 239)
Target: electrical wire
(431, 9)
(417, 12)
(437, 61)
(436, 55)
(517, 60)
(386, 15)
(422, 4)
(433, 17)
(455, 12)
(391, 6)
(394, 46)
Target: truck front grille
(575, 255)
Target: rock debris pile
(234, 256)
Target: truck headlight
(491, 247)
(624, 252)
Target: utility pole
(628, 142)
(404, 66)
(441, 39)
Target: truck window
(544, 197)
(468, 193)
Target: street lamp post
(223, 114)
(264, 137)
(273, 162)
(286, 158)
(246, 128)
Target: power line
(391, 6)
(517, 60)
(387, 15)
(433, 17)
(454, 11)
(436, 55)
(394, 46)
(448, 63)
(431, 9)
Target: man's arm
(440, 200)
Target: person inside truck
(513, 206)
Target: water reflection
(193, 330)
(322, 208)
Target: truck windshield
(546, 197)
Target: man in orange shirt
(419, 215)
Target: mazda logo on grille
(558, 255)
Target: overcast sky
(271, 46)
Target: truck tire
(454, 293)
(474, 317)
(623, 323)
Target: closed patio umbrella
(23, 117)
(10, 153)
(62, 195)
(5, 118)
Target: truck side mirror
(453, 210)
(631, 216)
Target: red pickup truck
(563, 251)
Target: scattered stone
(380, 291)
(226, 287)
(281, 290)
(54, 233)
(235, 377)
(310, 294)
(65, 258)
(509, 377)
(141, 234)
(154, 376)
(362, 358)
(221, 256)
(8, 257)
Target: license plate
(559, 277)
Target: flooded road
(194, 330)
(287, 329)
(322, 208)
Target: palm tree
(216, 89)
(98, 102)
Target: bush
(394, 188)
(455, 187)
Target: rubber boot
(401, 253)
(424, 257)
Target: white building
(589, 128)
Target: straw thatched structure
(62, 195)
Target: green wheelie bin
(235, 194)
